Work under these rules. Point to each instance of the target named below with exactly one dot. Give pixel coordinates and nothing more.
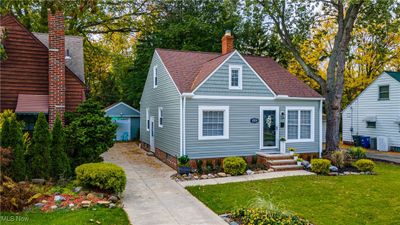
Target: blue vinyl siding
(165, 95)
(218, 83)
(244, 137)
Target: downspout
(320, 128)
(184, 97)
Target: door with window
(152, 148)
(269, 129)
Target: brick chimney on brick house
(56, 65)
(227, 42)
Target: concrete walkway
(151, 197)
(384, 156)
(262, 176)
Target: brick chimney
(56, 65)
(227, 42)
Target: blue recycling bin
(365, 141)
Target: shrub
(339, 158)
(320, 166)
(39, 152)
(90, 133)
(218, 163)
(184, 160)
(357, 153)
(234, 165)
(263, 216)
(5, 159)
(199, 164)
(364, 165)
(209, 166)
(60, 160)
(106, 176)
(16, 196)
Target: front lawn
(355, 199)
(67, 217)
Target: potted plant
(299, 161)
(295, 156)
(291, 151)
(184, 165)
(282, 145)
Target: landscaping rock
(86, 204)
(44, 201)
(228, 175)
(39, 205)
(233, 223)
(333, 169)
(59, 198)
(270, 170)
(333, 174)
(249, 172)
(90, 196)
(204, 176)
(71, 205)
(112, 205)
(221, 174)
(38, 181)
(22, 182)
(210, 175)
(103, 202)
(100, 195)
(53, 207)
(346, 173)
(196, 177)
(355, 173)
(113, 199)
(187, 178)
(305, 163)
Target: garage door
(123, 129)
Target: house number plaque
(254, 120)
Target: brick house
(42, 72)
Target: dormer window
(155, 78)
(384, 92)
(235, 77)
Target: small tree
(60, 160)
(39, 152)
(90, 133)
(6, 136)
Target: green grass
(106, 216)
(323, 200)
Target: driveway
(151, 197)
(393, 157)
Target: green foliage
(209, 166)
(364, 165)
(263, 216)
(59, 157)
(339, 158)
(199, 164)
(5, 160)
(183, 160)
(320, 166)
(357, 153)
(39, 158)
(106, 176)
(89, 133)
(234, 165)
(15, 196)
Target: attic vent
(67, 55)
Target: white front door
(152, 134)
(269, 129)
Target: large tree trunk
(332, 109)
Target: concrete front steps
(279, 162)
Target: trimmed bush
(234, 165)
(263, 216)
(364, 165)
(320, 166)
(106, 176)
(357, 153)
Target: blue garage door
(123, 129)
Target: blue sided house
(126, 118)
(214, 105)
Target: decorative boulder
(305, 163)
(333, 169)
(249, 172)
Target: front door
(152, 134)
(269, 127)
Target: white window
(235, 77)
(147, 119)
(300, 124)
(160, 117)
(213, 122)
(155, 78)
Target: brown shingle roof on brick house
(189, 69)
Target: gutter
(184, 97)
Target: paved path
(262, 176)
(151, 197)
(384, 156)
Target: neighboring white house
(376, 113)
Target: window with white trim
(147, 119)
(213, 122)
(300, 124)
(235, 77)
(160, 117)
(155, 78)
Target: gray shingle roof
(74, 45)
